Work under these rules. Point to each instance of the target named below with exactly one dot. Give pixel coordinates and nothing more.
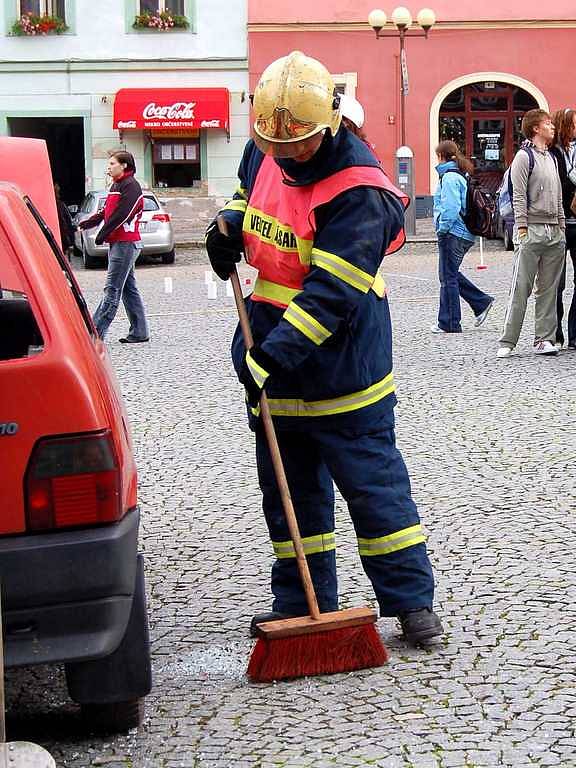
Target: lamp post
(402, 19)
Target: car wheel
(168, 258)
(110, 690)
(113, 718)
(89, 261)
(508, 244)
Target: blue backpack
(506, 190)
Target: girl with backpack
(454, 241)
(564, 150)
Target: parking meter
(405, 182)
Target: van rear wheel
(168, 258)
(508, 244)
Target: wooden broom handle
(274, 448)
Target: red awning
(170, 108)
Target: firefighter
(314, 214)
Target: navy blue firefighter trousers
(370, 473)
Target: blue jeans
(454, 285)
(121, 284)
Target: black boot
(420, 625)
(262, 618)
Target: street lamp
(402, 20)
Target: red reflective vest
(279, 225)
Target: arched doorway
(496, 101)
(484, 120)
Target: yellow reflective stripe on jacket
(280, 294)
(306, 324)
(269, 230)
(343, 270)
(384, 545)
(379, 285)
(236, 205)
(258, 373)
(304, 250)
(351, 402)
(323, 542)
(274, 292)
(242, 192)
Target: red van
(71, 577)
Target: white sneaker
(504, 352)
(545, 348)
(559, 345)
(437, 329)
(483, 315)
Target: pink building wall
(533, 54)
(290, 11)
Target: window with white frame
(159, 6)
(346, 83)
(44, 8)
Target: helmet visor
(303, 148)
(281, 125)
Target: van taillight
(161, 217)
(73, 481)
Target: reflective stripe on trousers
(371, 475)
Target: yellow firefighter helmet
(294, 101)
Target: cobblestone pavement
(490, 447)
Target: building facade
(481, 67)
(175, 97)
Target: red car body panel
(69, 387)
(25, 163)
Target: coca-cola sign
(179, 111)
(172, 108)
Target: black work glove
(256, 368)
(224, 252)
(98, 240)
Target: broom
(321, 643)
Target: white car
(156, 231)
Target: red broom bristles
(320, 653)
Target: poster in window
(178, 151)
(191, 152)
(166, 152)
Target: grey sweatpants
(538, 262)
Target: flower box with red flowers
(161, 21)
(32, 24)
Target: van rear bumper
(67, 595)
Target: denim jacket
(450, 202)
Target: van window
(19, 332)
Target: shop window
(454, 102)
(523, 101)
(489, 102)
(160, 6)
(176, 162)
(453, 129)
(44, 8)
